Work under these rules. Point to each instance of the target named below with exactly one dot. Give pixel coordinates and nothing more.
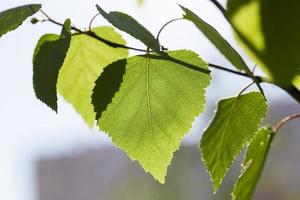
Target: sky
(29, 129)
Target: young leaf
(253, 164)
(215, 37)
(85, 61)
(129, 25)
(269, 31)
(48, 58)
(14, 17)
(233, 126)
(155, 106)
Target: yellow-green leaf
(84, 63)
(155, 105)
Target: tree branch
(292, 91)
(284, 121)
(93, 35)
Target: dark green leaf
(215, 37)
(253, 164)
(270, 34)
(129, 25)
(222, 45)
(84, 63)
(233, 126)
(13, 18)
(153, 107)
(49, 56)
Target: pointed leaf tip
(154, 107)
(233, 126)
(129, 25)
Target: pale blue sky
(29, 129)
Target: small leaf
(155, 105)
(129, 25)
(253, 164)
(48, 58)
(14, 17)
(234, 125)
(215, 37)
(84, 63)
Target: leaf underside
(49, 56)
(13, 18)
(233, 126)
(84, 63)
(253, 164)
(154, 106)
(129, 25)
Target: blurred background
(47, 156)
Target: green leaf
(233, 126)
(155, 106)
(13, 18)
(215, 37)
(269, 31)
(49, 56)
(253, 164)
(129, 25)
(220, 43)
(85, 61)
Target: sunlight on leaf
(84, 63)
(155, 106)
(233, 126)
(270, 31)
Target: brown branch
(93, 35)
(285, 120)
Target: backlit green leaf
(85, 61)
(14, 17)
(233, 126)
(253, 164)
(270, 34)
(155, 106)
(129, 25)
(48, 58)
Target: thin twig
(92, 20)
(93, 35)
(220, 7)
(164, 26)
(285, 120)
(292, 91)
(245, 88)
